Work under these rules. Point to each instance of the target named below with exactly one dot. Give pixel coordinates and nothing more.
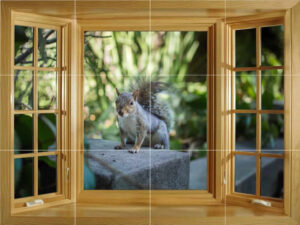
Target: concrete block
(121, 170)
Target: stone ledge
(119, 169)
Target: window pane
(272, 87)
(23, 177)
(47, 89)
(23, 46)
(245, 48)
(47, 174)
(271, 177)
(47, 132)
(23, 140)
(245, 84)
(245, 132)
(23, 90)
(245, 174)
(272, 39)
(47, 55)
(198, 170)
(115, 59)
(272, 133)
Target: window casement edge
(12, 206)
(282, 17)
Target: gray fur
(139, 125)
(148, 98)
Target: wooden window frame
(208, 196)
(62, 112)
(222, 67)
(20, 202)
(233, 25)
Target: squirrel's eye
(131, 103)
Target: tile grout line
(150, 169)
(75, 20)
(225, 174)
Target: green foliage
(23, 133)
(46, 132)
(115, 59)
(272, 85)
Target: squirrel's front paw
(119, 147)
(133, 150)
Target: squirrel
(142, 119)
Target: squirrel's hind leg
(160, 139)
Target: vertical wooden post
(295, 84)
(220, 112)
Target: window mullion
(258, 107)
(59, 108)
(35, 106)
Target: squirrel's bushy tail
(147, 98)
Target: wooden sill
(90, 214)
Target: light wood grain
(9, 18)
(235, 24)
(166, 15)
(258, 106)
(95, 214)
(6, 122)
(295, 84)
(140, 9)
(288, 112)
(220, 110)
(142, 197)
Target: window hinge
(67, 173)
(261, 202)
(35, 202)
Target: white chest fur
(128, 125)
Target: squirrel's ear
(135, 94)
(118, 93)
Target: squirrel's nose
(121, 113)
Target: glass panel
(23, 90)
(272, 133)
(189, 129)
(47, 132)
(112, 169)
(171, 49)
(23, 46)
(117, 59)
(245, 174)
(272, 47)
(245, 48)
(23, 177)
(272, 87)
(23, 140)
(245, 85)
(47, 55)
(198, 170)
(271, 177)
(245, 132)
(47, 179)
(47, 90)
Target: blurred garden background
(46, 90)
(116, 59)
